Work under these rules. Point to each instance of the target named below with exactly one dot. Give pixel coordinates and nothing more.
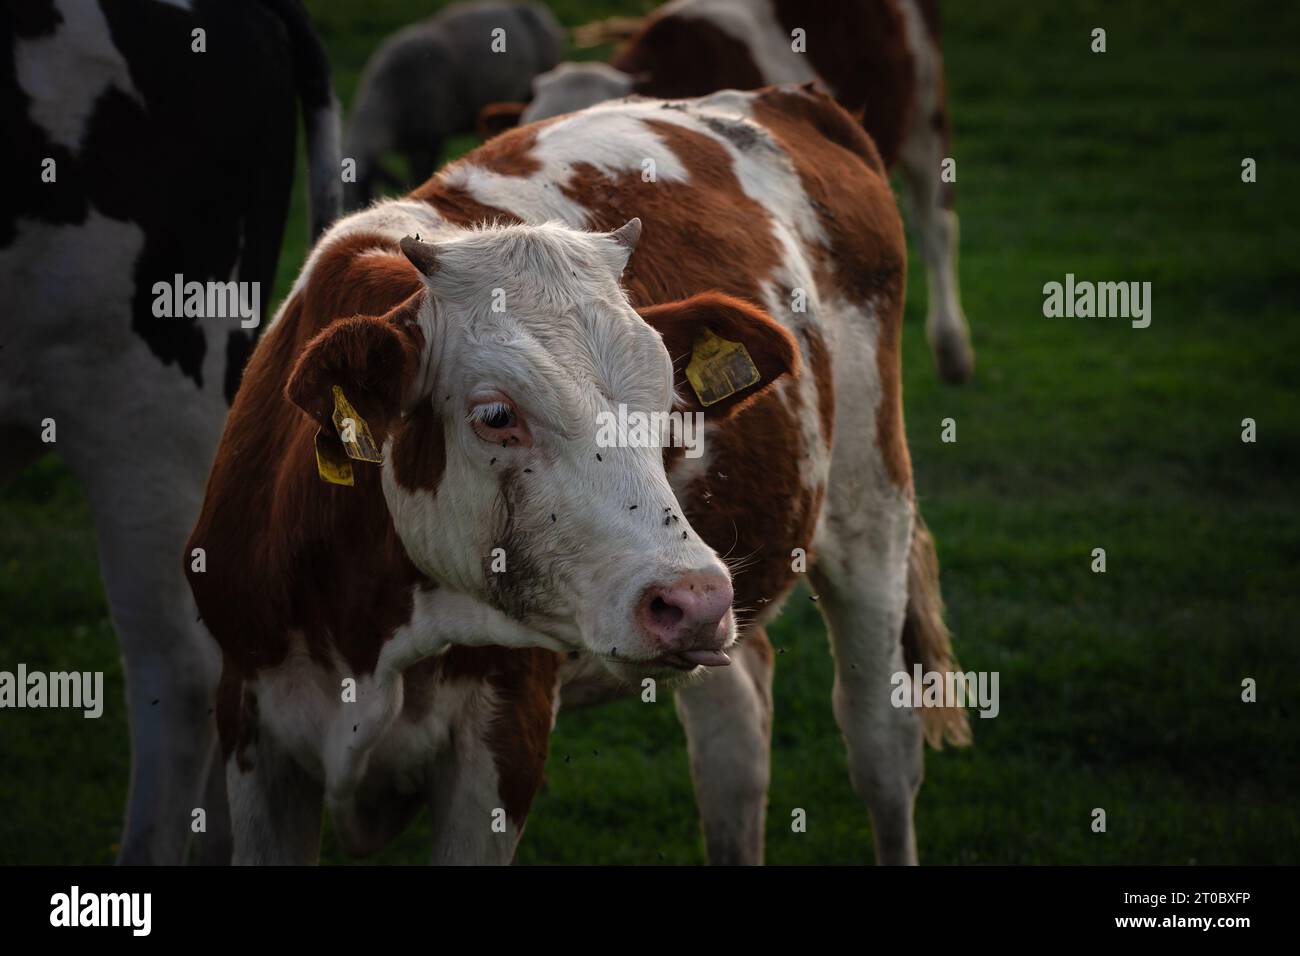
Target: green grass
(1119, 691)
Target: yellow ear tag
(331, 463)
(354, 432)
(719, 369)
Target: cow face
(509, 472)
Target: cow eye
(495, 415)
(495, 419)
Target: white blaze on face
(574, 86)
(532, 342)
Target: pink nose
(685, 615)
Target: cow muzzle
(687, 622)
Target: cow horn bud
(627, 234)
(423, 255)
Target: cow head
(493, 393)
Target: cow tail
(320, 114)
(926, 639)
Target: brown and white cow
(881, 59)
(392, 643)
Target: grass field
(1119, 690)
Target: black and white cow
(147, 140)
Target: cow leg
(275, 807)
(861, 578)
(728, 721)
(930, 202)
(170, 663)
(937, 228)
(470, 825)
(215, 845)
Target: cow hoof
(955, 359)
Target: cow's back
(857, 48)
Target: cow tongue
(706, 658)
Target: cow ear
(735, 347)
(495, 118)
(372, 360)
(622, 243)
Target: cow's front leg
(470, 823)
(728, 721)
(213, 846)
(275, 805)
(484, 784)
(275, 812)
